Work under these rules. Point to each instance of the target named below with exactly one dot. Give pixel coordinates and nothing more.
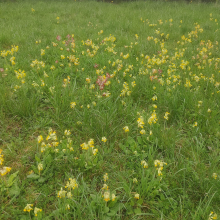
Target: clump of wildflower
(212, 216)
(153, 118)
(142, 131)
(105, 177)
(72, 105)
(159, 164)
(39, 139)
(140, 122)
(36, 210)
(136, 196)
(135, 180)
(102, 80)
(105, 187)
(144, 164)
(214, 175)
(3, 170)
(195, 124)
(154, 98)
(28, 208)
(52, 135)
(61, 193)
(166, 115)
(126, 129)
(106, 196)
(40, 167)
(104, 139)
(71, 184)
(67, 132)
(113, 197)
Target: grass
(121, 121)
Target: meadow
(109, 111)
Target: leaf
(106, 209)
(37, 158)
(41, 180)
(137, 211)
(139, 139)
(11, 179)
(14, 190)
(111, 213)
(118, 206)
(33, 176)
(140, 201)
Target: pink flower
(58, 37)
(101, 81)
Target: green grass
(162, 57)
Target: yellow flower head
(28, 208)
(104, 139)
(126, 129)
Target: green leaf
(137, 211)
(106, 209)
(41, 180)
(140, 201)
(11, 179)
(37, 158)
(33, 176)
(139, 139)
(14, 190)
(111, 213)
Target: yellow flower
(106, 196)
(40, 138)
(166, 115)
(32, 10)
(72, 105)
(28, 208)
(144, 164)
(126, 129)
(67, 132)
(95, 151)
(113, 197)
(71, 184)
(209, 110)
(36, 210)
(140, 122)
(154, 98)
(5, 170)
(214, 175)
(62, 57)
(135, 180)
(40, 167)
(136, 196)
(42, 52)
(142, 131)
(105, 177)
(195, 124)
(61, 193)
(104, 139)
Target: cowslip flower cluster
(126, 129)
(106, 194)
(159, 164)
(212, 216)
(153, 118)
(166, 115)
(52, 142)
(144, 164)
(90, 144)
(140, 122)
(3, 170)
